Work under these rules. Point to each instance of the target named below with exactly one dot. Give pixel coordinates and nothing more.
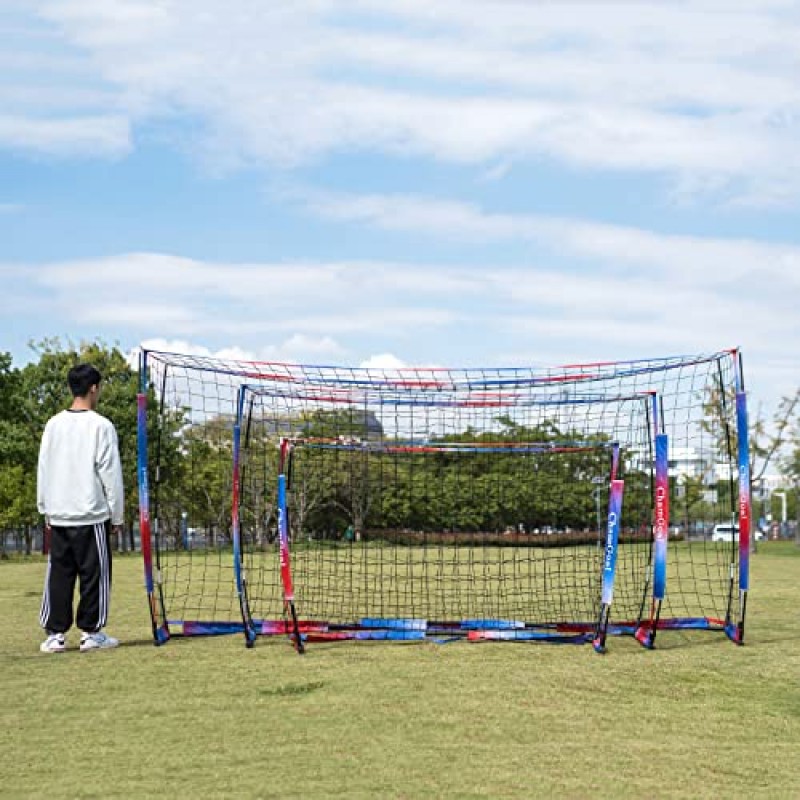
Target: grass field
(205, 718)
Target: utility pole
(782, 494)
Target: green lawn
(697, 718)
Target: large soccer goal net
(333, 503)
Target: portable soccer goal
(540, 504)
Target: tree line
(332, 488)
(30, 395)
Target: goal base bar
(387, 629)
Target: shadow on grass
(128, 643)
(292, 689)
(34, 654)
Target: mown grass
(202, 718)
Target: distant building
(687, 462)
(767, 484)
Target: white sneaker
(97, 641)
(54, 643)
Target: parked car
(730, 533)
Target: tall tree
(791, 467)
(766, 440)
(17, 455)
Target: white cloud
(76, 136)
(341, 289)
(179, 346)
(386, 361)
(302, 345)
(298, 348)
(696, 260)
(389, 315)
(680, 300)
(704, 93)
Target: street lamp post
(185, 530)
(782, 494)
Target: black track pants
(77, 552)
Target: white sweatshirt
(80, 475)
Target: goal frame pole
(152, 579)
(646, 631)
(240, 574)
(735, 630)
(610, 553)
(284, 469)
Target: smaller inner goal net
(334, 502)
(458, 531)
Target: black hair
(81, 378)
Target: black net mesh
(441, 494)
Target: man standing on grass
(80, 494)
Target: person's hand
(117, 529)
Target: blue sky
(457, 183)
